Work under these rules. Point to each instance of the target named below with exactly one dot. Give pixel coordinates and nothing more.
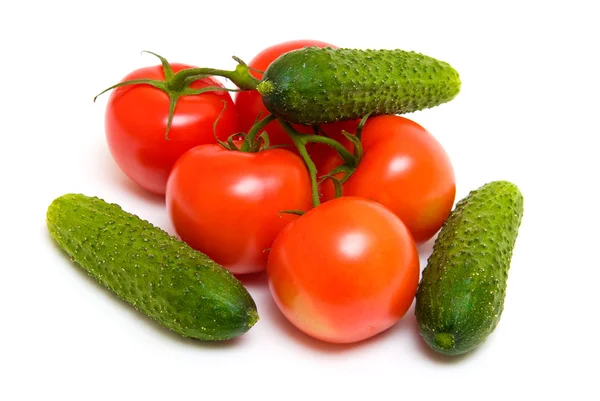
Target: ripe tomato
(227, 204)
(404, 168)
(136, 120)
(250, 105)
(345, 271)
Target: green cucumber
(461, 295)
(321, 85)
(180, 288)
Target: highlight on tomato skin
(404, 168)
(227, 203)
(345, 271)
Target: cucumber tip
(444, 341)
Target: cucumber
(461, 295)
(321, 85)
(180, 288)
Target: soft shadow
(426, 248)
(254, 280)
(137, 315)
(425, 251)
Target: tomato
(345, 271)
(250, 105)
(136, 121)
(227, 204)
(404, 168)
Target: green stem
(348, 157)
(253, 132)
(312, 170)
(241, 76)
(299, 142)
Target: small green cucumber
(321, 85)
(461, 294)
(180, 288)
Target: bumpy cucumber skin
(321, 85)
(461, 295)
(180, 288)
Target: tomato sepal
(294, 212)
(178, 84)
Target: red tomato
(227, 204)
(404, 168)
(250, 105)
(136, 120)
(345, 271)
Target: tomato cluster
(341, 271)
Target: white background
(528, 112)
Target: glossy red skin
(404, 168)
(136, 120)
(226, 203)
(250, 105)
(345, 271)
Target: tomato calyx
(346, 171)
(176, 85)
(250, 142)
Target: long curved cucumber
(162, 277)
